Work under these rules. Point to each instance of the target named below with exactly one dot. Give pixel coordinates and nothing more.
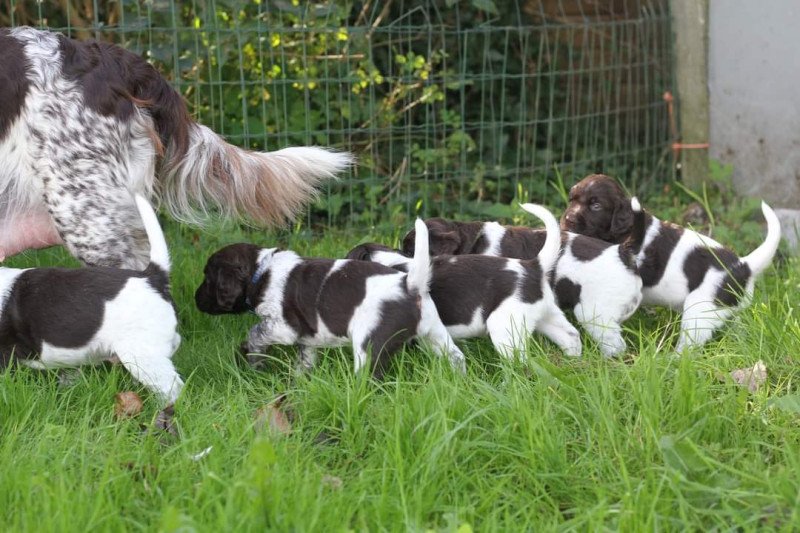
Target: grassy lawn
(653, 442)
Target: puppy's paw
(242, 351)
(165, 421)
(249, 358)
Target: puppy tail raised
(419, 271)
(549, 253)
(760, 258)
(159, 253)
(634, 243)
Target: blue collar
(261, 269)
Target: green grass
(652, 443)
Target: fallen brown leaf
(333, 482)
(274, 416)
(127, 404)
(752, 378)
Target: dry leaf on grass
(752, 378)
(275, 416)
(127, 404)
(333, 482)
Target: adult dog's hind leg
(98, 221)
(88, 167)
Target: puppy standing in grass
(596, 280)
(680, 268)
(59, 317)
(326, 302)
(508, 299)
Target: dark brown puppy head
(447, 237)
(598, 207)
(228, 274)
(364, 252)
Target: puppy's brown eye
(595, 206)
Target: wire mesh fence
(452, 107)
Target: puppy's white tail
(549, 253)
(760, 258)
(159, 253)
(206, 174)
(633, 244)
(419, 271)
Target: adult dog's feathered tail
(551, 249)
(202, 173)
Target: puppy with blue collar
(313, 303)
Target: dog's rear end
(56, 317)
(70, 101)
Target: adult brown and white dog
(327, 302)
(680, 268)
(508, 299)
(596, 280)
(62, 317)
(83, 125)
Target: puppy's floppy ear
(359, 253)
(444, 242)
(407, 248)
(621, 220)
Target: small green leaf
(682, 454)
(486, 5)
(789, 403)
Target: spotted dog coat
(680, 268)
(506, 298)
(598, 281)
(58, 317)
(327, 302)
(85, 124)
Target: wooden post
(690, 34)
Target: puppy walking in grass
(680, 268)
(596, 280)
(60, 317)
(326, 302)
(508, 299)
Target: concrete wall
(754, 82)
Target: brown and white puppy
(598, 281)
(680, 268)
(505, 298)
(59, 317)
(327, 302)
